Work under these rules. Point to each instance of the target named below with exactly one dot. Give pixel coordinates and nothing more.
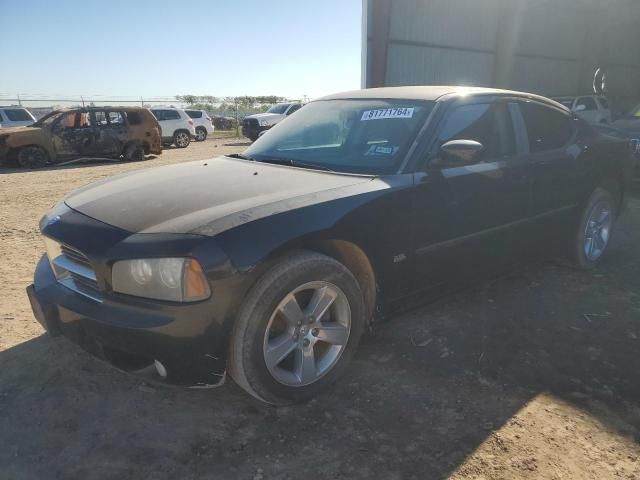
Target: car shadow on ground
(86, 162)
(425, 390)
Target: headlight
(264, 123)
(172, 279)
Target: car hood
(268, 117)
(630, 125)
(20, 130)
(211, 196)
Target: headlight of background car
(264, 123)
(172, 279)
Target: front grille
(247, 122)
(73, 269)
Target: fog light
(160, 369)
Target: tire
(201, 134)
(32, 156)
(262, 334)
(134, 153)
(181, 139)
(595, 227)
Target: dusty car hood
(207, 197)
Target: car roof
(433, 93)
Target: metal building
(551, 47)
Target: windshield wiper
(240, 156)
(295, 163)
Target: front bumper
(131, 337)
(253, 131)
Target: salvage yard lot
(533, 375)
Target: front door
(551, 140)
(467, 216)
(73, 135)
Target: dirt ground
(533, 375)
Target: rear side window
(547, 128)
(194, 113)
(134, 118)
(489, 124)
(166, 114)
(18, 115)
(588, 102)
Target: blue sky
(159, 48)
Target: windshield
(356, 136)
(279, 108)
(48, 119)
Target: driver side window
(487, 123)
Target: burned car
(271, 264)
(112, 132)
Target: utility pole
(141, 102)
(82, 99)
(19, 101)
(235, 103)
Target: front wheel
(32, 156)
(182, 139)
(594, 230)
(297, 330)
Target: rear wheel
(182, 139)
(134, 153)
(201, 134)
(32, 157)
(594, 230)
(297, 329)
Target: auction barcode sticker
(406, 112)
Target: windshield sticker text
(383, 113)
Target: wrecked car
(270, 264)
(112, 132)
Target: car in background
(202, 123)
(252, 125)
(177, 128)
(113, 132)
(15, 117)
(632, 136)
(630, 122)
(270, 264)
(221, 122)
(592, 108)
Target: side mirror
(580, 108)
(458, 153)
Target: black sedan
(271, 264)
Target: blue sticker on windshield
(383, 113)
(380, 150)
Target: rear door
(111, 133)
(468, 217)
(551, 139)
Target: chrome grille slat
(73, 269)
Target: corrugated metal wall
(550, 47)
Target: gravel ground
(533, 375)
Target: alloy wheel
(307, 333)
(182, 139)
(598, 230)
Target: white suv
(15, 117)
(592, 108)
(202, 122)
(176, 127)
